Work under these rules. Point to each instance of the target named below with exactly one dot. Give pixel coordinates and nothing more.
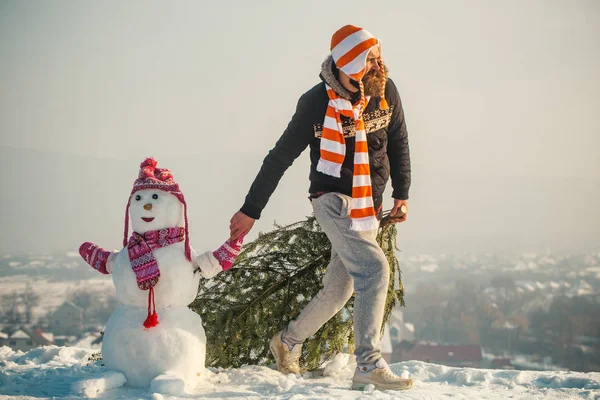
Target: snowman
(152, 339)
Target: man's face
(374, 73)
(373, 60)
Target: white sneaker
(288, 361)
(381, 377)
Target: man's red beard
(372, 82)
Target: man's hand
(396, 208)
(239, 225)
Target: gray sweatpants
(357, 264)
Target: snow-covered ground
(54, 372)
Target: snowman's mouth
(148, 219)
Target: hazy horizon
(500, 102)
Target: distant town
(521, 311)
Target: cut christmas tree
(272, 280)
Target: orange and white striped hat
(350, 47)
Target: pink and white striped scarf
(144, 265)
(142, 260)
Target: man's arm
(290, 145)
(398, 150)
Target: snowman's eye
(138, 197)
(155, 196)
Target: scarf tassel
(369, 224)
(383, 104)
(329, 168)
(152, 319)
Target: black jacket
(386, 136)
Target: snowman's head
(152, 209)
(155, 203)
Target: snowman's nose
(148, 206)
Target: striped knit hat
(350, 47)
(151, 177)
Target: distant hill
(54, 201)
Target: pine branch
(273, 279)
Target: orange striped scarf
(349, 48)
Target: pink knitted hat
(151, 177)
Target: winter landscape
(514, 359)
(499, 255)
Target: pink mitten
(228, 252)
(95, 256)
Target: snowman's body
(177, 345)
(168, 356)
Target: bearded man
(353, 122)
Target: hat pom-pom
(147, 168)
(149, 162)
